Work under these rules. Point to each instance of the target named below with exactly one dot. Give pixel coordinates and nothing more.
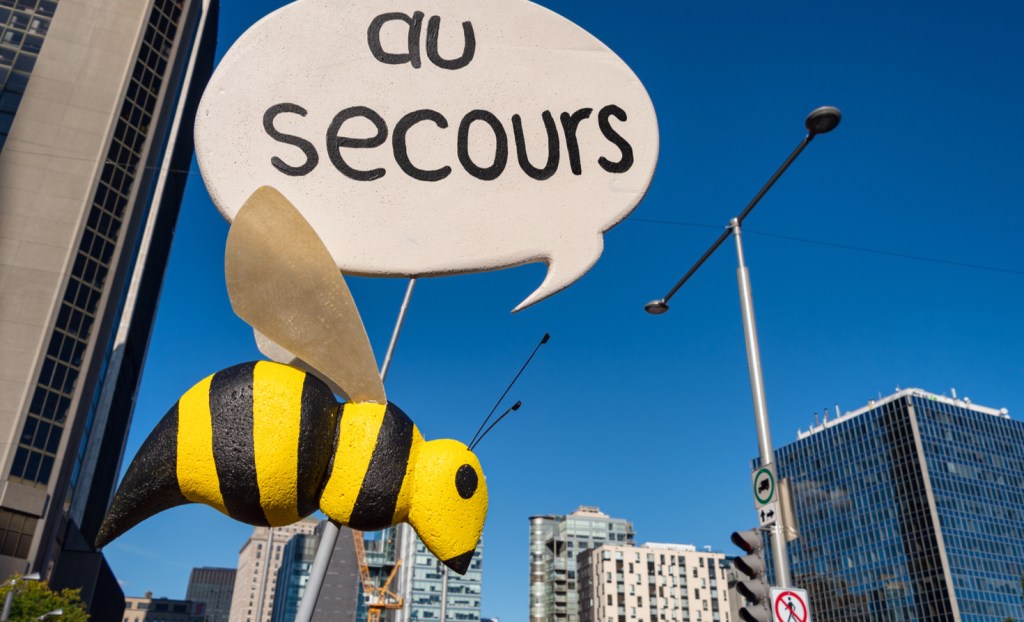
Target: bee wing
(275, 352)
(283, 282)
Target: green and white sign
(764, 486)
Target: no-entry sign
(790, 604)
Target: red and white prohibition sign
(790, 605)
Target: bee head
(449, 502)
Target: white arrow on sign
(768, 514)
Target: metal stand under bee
(329, 538)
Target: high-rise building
(296, 560)
(258, 563)
(435, 589)
(96, 106)
(555, 542)
(149, 609)
(212, 587)
(340, 597)
(911, 508)
(652, 583)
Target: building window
(16, 531)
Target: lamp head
(823, 120)
(656, 307)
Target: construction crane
(377, 598)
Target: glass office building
(293, 575)
(911, 508)
(430, 587)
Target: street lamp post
(819, 121)
(9, 599)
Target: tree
(35, 598)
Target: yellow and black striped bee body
(268, 444)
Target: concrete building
(555, 543)
(258, 562)
(149, 609)
(653, 583)
(910, 508)
(96, 106)
(212, 587)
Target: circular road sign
(791, 606)
(764, 486)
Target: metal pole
(398, 330)
(764, 435)
(739, 219)
(329, 537)
(8, 601)
(444, 593)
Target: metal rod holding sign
(819, 121)
(329, 537)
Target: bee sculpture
(267, 443)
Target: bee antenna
(496, 422)
(543, 340)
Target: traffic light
(754, 588)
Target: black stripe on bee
(317, 438)
(378, 496)
(231, 412)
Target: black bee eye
(466, 481)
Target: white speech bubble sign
(432, 138)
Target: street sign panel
(764, 486)
(790, 604)
(768, 514)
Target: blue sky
(888, 256)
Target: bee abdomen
(149, 486)
(253, 441)
(272, 431)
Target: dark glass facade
(910, 509)
(23, 26)
(296, 561)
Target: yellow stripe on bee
(357, 437)
(197, 471)
(276, 417)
